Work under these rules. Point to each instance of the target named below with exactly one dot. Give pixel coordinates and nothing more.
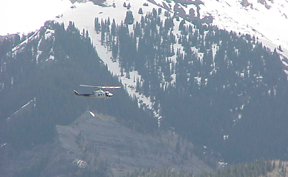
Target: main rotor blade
(104, 87)
(107, 87)
(87, 86)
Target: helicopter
(97, 93)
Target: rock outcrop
(96, 143)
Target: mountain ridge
(97, 145)
(207, 84)
(104, 12)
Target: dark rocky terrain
(95, 142)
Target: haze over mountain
(265, 19)
(18, 16)
(201, 69)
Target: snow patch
(29, 103)
(83, 17)
(92, 114)
(268, 24)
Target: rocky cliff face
(92, 137)
(95, 143)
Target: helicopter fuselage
(96, 94)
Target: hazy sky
(23, 16)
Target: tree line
(222, 83)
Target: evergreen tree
(140, 11)
(129, 19)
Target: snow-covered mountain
(83, 15)
(265, 20)
(243, 74)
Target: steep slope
(94, 144)
(212, 86)
(266, 20)
(48, 66)
(209, 84)
(83, 15)
(91, 139)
